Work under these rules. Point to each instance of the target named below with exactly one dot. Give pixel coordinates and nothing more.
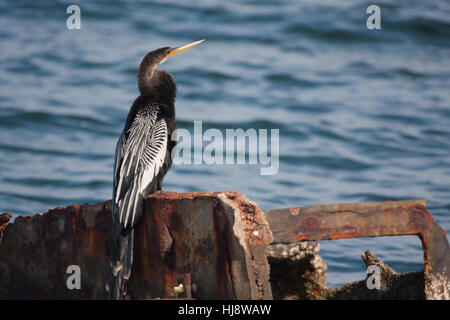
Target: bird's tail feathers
(122, 260)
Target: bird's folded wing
(138, 161)
(120, 149)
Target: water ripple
(363, 115)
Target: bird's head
(148, 75)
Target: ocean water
(364, 115)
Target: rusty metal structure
(199, 245)
(371, 219)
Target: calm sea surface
(363, 115)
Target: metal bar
(371, 219)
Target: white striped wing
(142, 157)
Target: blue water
(364, 115)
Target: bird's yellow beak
(182, 48)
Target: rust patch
(222, 232)
(346, 229)
(231, 196)
(252, 220)
(416, 218)
(311, 229)
(4, 220)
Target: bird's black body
(143, 156)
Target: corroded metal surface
(37, 249)
(371, 219)
(200, 245)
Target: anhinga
(142, 158)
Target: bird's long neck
(157, 83)
(145, 76)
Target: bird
(142, 159)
